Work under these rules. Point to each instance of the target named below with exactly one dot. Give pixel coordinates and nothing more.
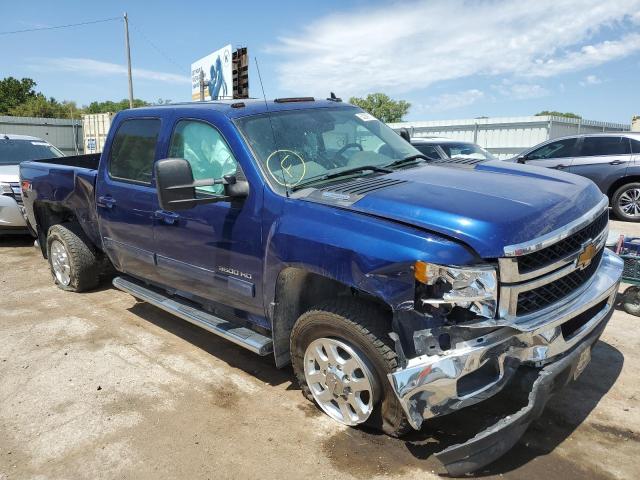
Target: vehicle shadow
(16, 241)
(263, 368)
(564, 413)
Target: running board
(245, 337)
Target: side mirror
(521, 158)
(404, 133)
(177, 188)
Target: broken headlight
(474, 289)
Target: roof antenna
(333, 98)
(273, 132)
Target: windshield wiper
(408, 159)
(341, 173)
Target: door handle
(106, 201)
(616, 162)
(561, 167)
(167, 217)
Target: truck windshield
(13, 151)
(297, 145)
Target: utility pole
(126, 41)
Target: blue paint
(443, 215)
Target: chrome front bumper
(431, 386)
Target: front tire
(73, 263)
(626, 202)
(341, 355)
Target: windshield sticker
(40, 143)
(365, 117)
(286, 167)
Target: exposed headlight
(5, 189)
(475, 289)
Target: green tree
(553, 113)
(14, 92)
(43, 107)
(382, 107)
(110, 106)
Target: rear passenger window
(133, 150)
(635, 145)
(595, 146)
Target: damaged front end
(482, 324)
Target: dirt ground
(98, 385)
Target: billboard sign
(218, 75)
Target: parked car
(611, 160)
(13, 150)
(439, 148)
(399, 290)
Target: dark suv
(611, 160)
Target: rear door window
(133, 150)
(635, 145)
(599, 146)
(558, 149)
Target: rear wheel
(631, 300)
(626, 202)
(341, 355)
(73, 263)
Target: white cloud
(590, 80)
(91, 67)
(411, 45)
(521, 91)
(450, 101)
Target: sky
(449, 58)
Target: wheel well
(620, 182)
(48, 215)
(297, 290)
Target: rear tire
(631, 301)
(73, 263)
(626, 202)
(363, 330)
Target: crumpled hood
(487, 206)
(9, 173)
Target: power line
(61, 26)
(155, 47)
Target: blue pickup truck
(399, 290)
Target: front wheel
(341, 355)
(626, 202)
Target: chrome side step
(242, 336)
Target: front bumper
(477, 369)
(11, 217)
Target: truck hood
(9, 173)
(487, 206)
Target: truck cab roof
(243, 107)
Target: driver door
(212, 251)
(558, 154)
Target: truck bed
(59, 185)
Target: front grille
(563, 248)
(538, 298)
(17, 192)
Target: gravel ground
(98, 385)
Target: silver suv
(611, 160)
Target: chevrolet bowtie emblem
(586, 255)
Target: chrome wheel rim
(339, 380)
(629, 202)
(60, 262)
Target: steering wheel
(345, 148)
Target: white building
(507, 136)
